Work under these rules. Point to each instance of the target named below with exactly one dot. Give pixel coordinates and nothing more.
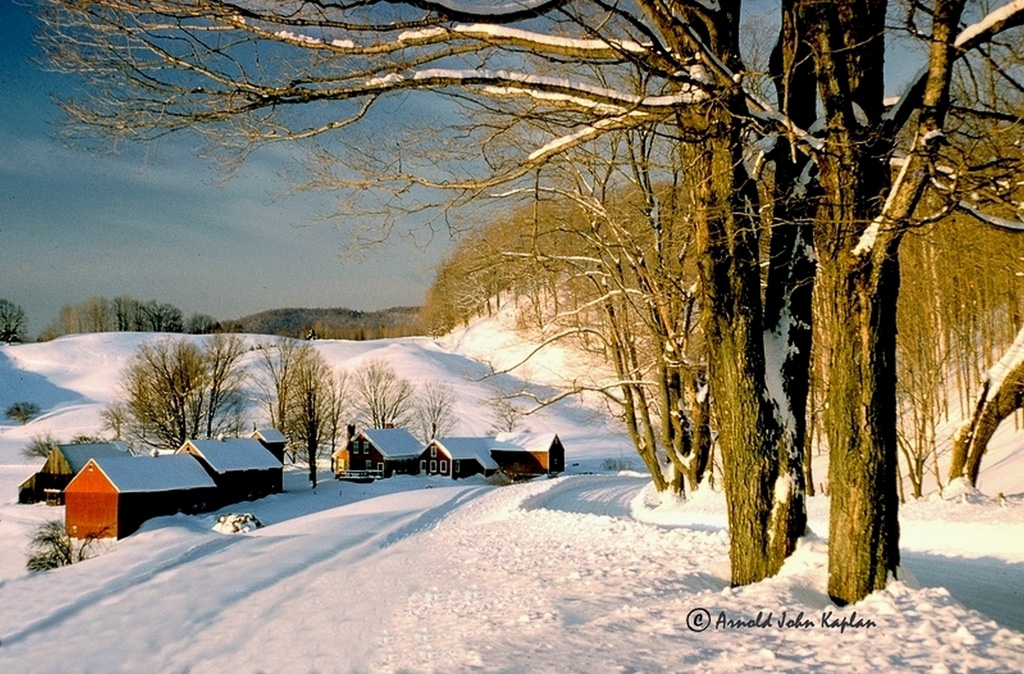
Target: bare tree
(21, 411)
(311, 405)
(385, 399)
(304, 397)
(12, 322)
(276, 366)
(434, 405)
(160, 66)
(117, 419)
(338, 408)
(221, 356)
(173, 390)
(52, 548)
(40, 447)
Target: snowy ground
(583, 573)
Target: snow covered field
(582, 573)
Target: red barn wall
(92, 506)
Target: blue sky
(157, 222)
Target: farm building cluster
(383, 452)
(108, 492)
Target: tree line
(126, 314)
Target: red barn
(458, 457)
(377, 452)
(113, 496)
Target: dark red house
(113, 496)
(61, 466)
(376, 453)
(242, 468)
(458, 457)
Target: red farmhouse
(377, 452)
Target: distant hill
(335, 323)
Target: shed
(113, 496)
(242, 467)
(61, 466)
(528, 454)
(458, 457)
(274, 440)
(377, 452)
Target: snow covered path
(180, 598)
(547, 585)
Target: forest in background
(961, 304)
(127, 314)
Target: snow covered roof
(133, 474)
(271, 435)
(524, 442)
(78, 455)
(478, 449)
(394, 443)
(233, 454)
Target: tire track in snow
(590, 495)
(110, 590)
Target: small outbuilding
(458, 457)
(274, 440)
(528, 454)
(242, 468)
(377, 453)
(112, 496)
(63, 463)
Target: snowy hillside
(583, 573)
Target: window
(455, 466)
(423, 465)
(433, 452)
(433, 466)
(444, 467)
(369, 464)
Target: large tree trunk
(791, 272)
(864, 524)
(749, 428)
(847, 38)
(1001, 395)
